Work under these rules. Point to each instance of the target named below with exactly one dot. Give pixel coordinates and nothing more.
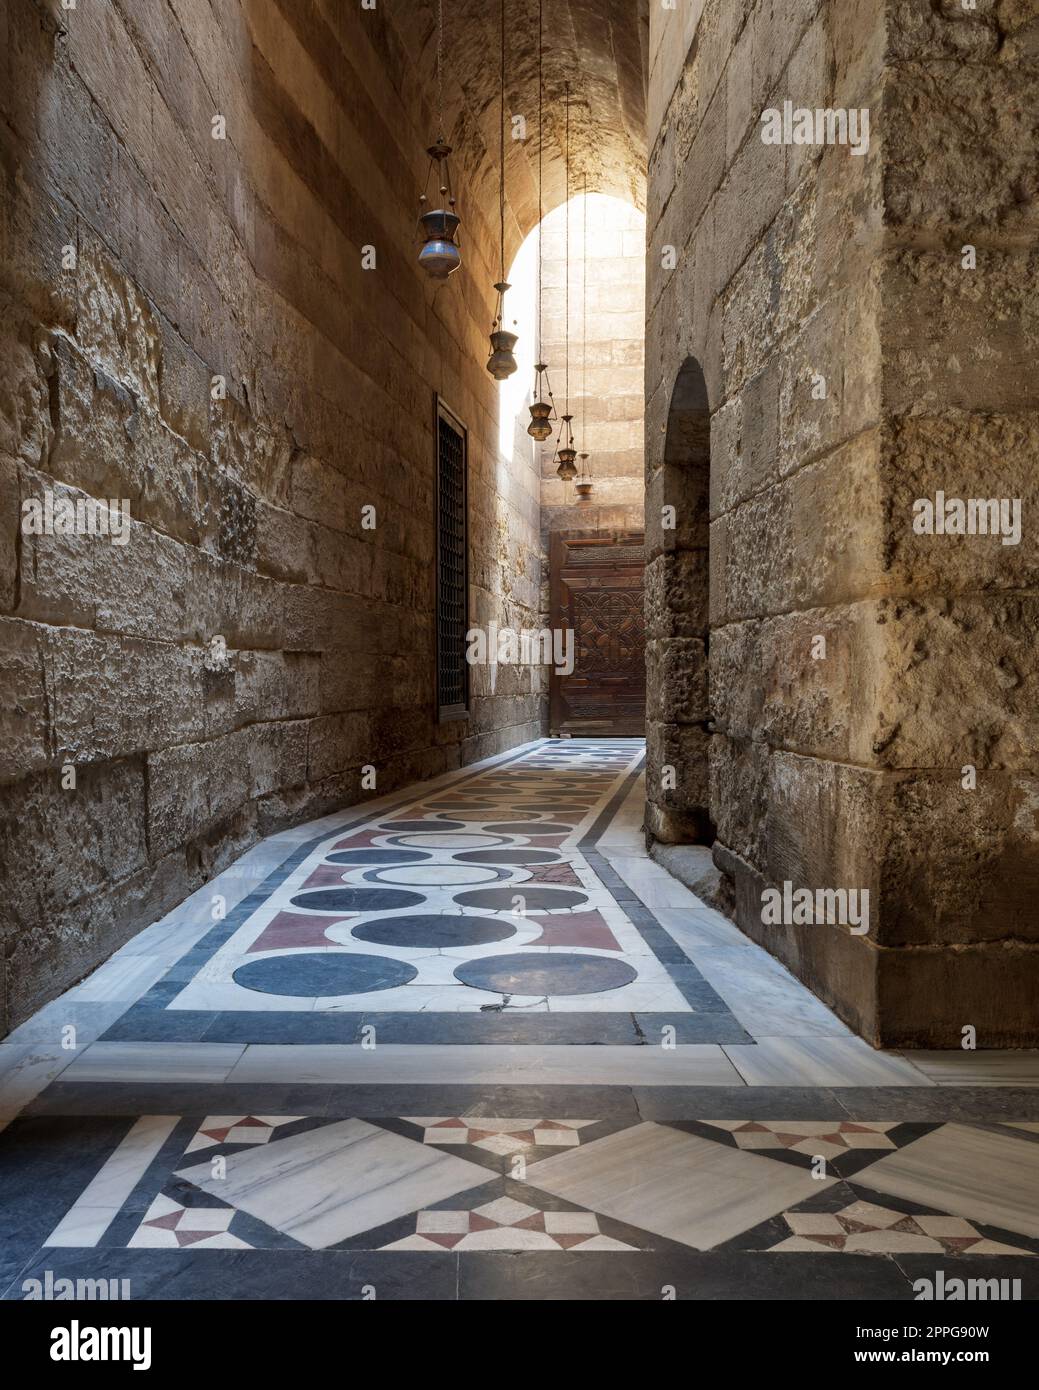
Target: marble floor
(470, 1041)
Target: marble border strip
(688, 980)
(980, 1105)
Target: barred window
(452, 599)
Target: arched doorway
(678, 729)
(592, 264)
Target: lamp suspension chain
(502, 362)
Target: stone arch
(677, 617)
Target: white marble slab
(25, 1069)
(675, 1184)
(49, 1027)
(155, 1061)
(980, 1174)
(983, 1068)
(328, 1184)
(821, 1061)
(397, 1063)
(123, 978)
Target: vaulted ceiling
(599, 47)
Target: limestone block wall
(871, 712)
(140, 259)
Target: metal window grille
(452, 602)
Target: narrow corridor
(475, 1020)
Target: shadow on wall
(678, 729)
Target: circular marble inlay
(529, 828)
(357, 899)
(508, 856)
(503, 899)
(449, 841)
(436, 931)
(397, 825)
(436, 875)
(376, 856)
(323, 974)
(545, 972)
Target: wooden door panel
(596, 589)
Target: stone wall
(607, 383)
(141, 259)
(854, 363)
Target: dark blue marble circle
(322, 974)
(507, 856)
(545, 972)
(501, 899)
(357, 899)
(377, 856)
(436, 931)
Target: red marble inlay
(191, 1237)
(325, 876)
(364, 839)
(554, 873)
(575, 929)
(293, 929)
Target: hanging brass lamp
(542, 410)
(440, 255)
(583, 486)
(542, 407)
(566, 452)
(502, 363)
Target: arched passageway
(678, 480)
(301, 915)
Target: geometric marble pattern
(506, 1224)
(505, 913)
(330, 1183)
(526, 1183)
(865, 1228)
(501, 1136)
(976, 1173)
(677, 1185)
(807, 1136)
(169, 1226)
(237, 1129)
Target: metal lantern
(501, 363)
(566, 454)
(541, 410)
(439, 256)
(583, 486)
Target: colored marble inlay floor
(466, 1184)
(468, 1041)
(483, 897)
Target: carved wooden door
(596, 589)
